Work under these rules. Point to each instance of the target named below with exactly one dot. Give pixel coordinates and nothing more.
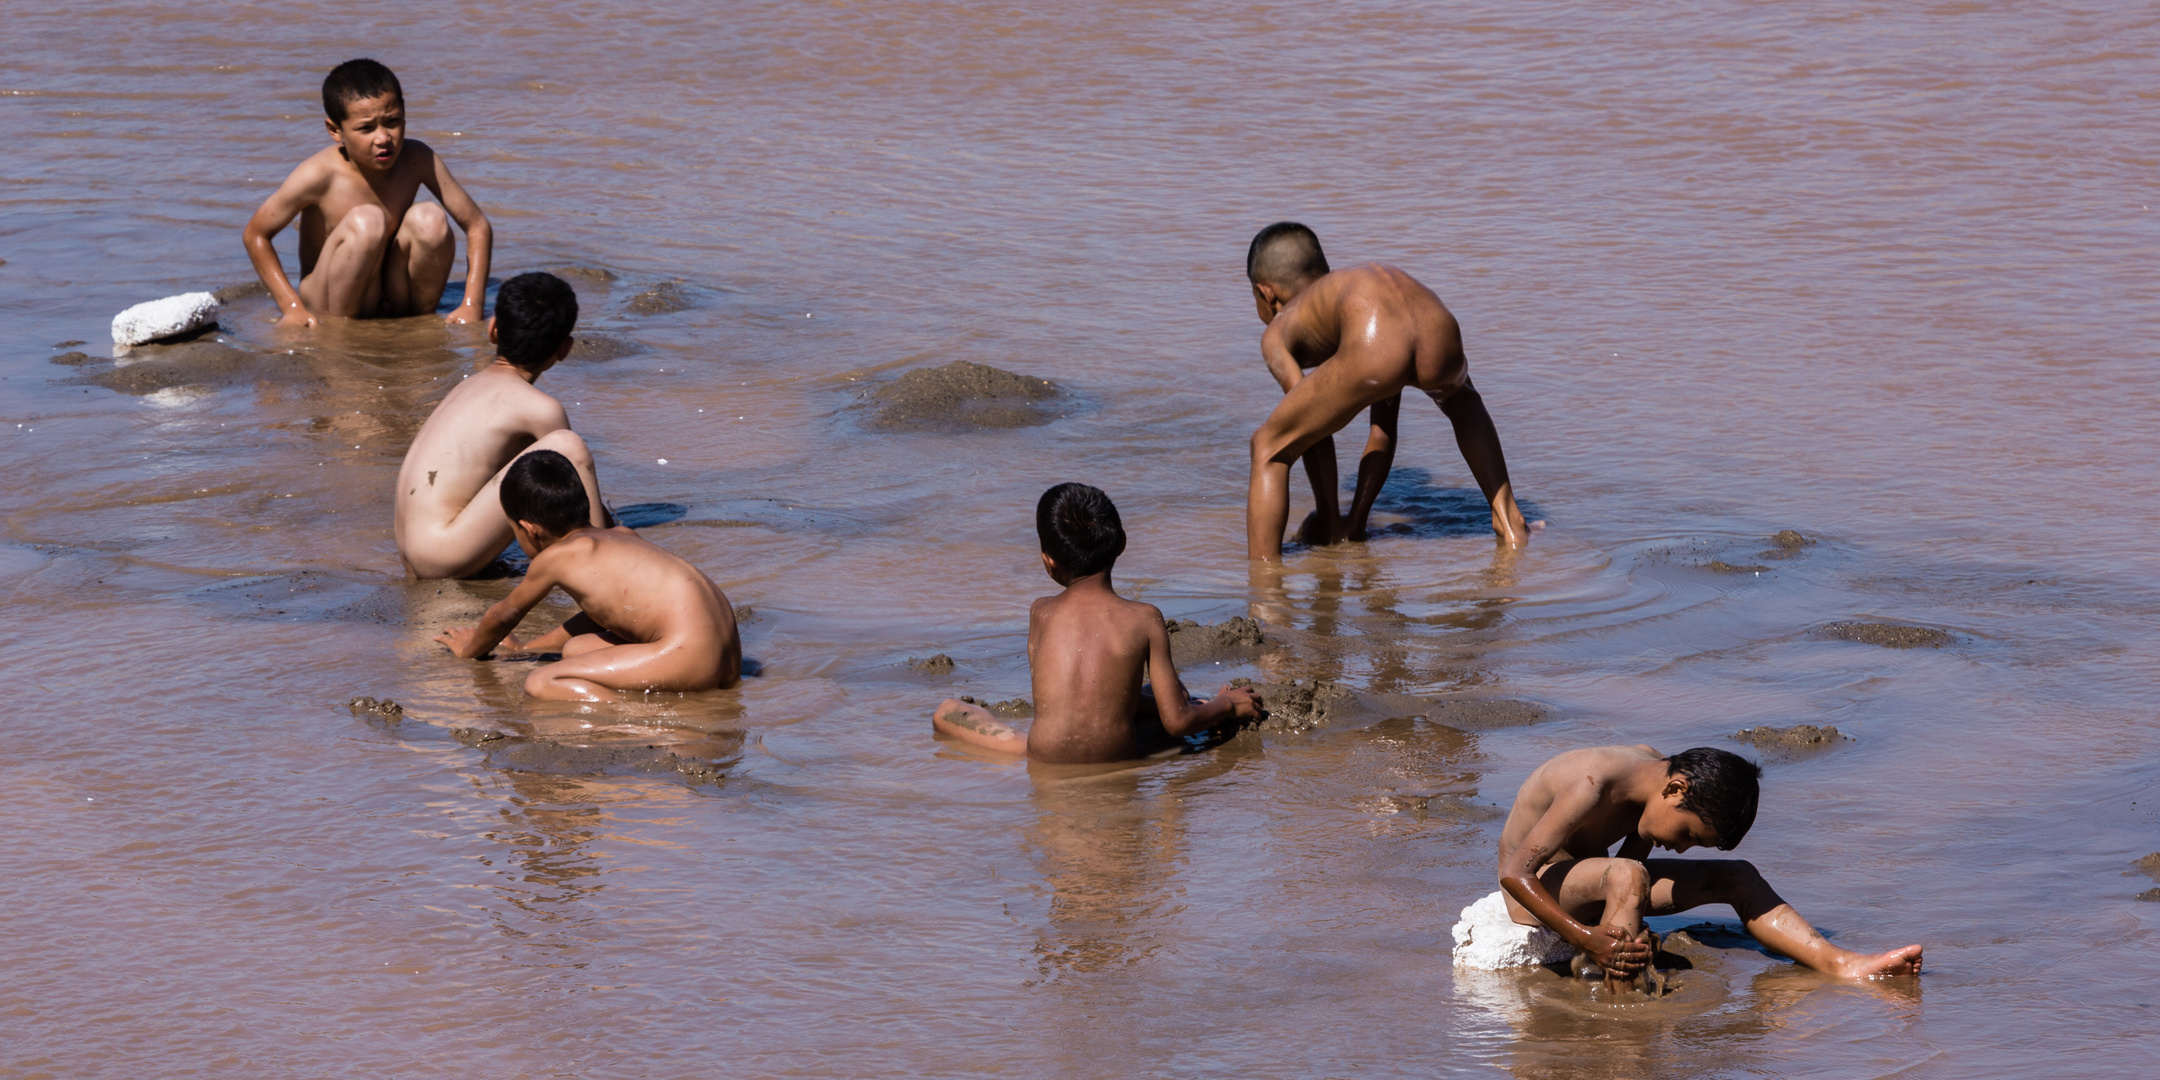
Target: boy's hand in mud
(1242, 703)
(1617, 950)
(460, 640)
(298, 316)
(467, 312)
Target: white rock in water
(1487, 938)
(164, 318)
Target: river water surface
(1883, 275)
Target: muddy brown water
(1880, 275)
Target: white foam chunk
(156, 319)
(1487, 938)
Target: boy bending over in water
(448, 520)
(1555, 870)
(1367, 333)
(366, 250)
(1089, 650)
(646, 620)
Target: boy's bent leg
(468, 542)
(1314, 409)
(597, 674)
(1603, 892)
(347, 279)
(417, 266)
(1680, 884)
(973, 724)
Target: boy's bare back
(643, 594)
(1594, 814)
(1088, 651)
(457, 458)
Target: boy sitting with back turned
(1555, 868)
(366, 250)
(646, 620)
(1088, 651)
(448, 520)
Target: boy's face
(372, 133)
(1667, 826)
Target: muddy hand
(1618, 951)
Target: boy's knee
(1628, 876)
(366, 223)
(426, 223)
(536, 682)
(567, 443)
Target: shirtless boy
(366, 251)
(449, 522)
(1555, 868)
(1367, 333)
(1089, 650)
(646, 620)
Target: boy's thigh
(1680, 884)
(639, 666)
(1331, 396)
(1579, 885)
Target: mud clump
(1786, 544)
(2149, 866)
(600, 348)
(1800, 739)
(1192, 642)
(74, 359)
(367, 708)
(940, 664)
(1887, 635)
(69, 344)
(1305, 704)
(1720, 566)
(963, 395)
(665, 298)
(1010, 708)
(590, 273)
(2150, 895)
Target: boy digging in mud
(448, 520)
(366, 250)
(1088, 651)
(1367, 333)
(1555, 869)
(646, 620)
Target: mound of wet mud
(1720, 566)
(1886, 635)
(521, 753)
(2148, 866)
(963, 395)
(601, 348)
(1303, 705)
(940, 664)
(1799, 740)
(202, 362)
(589, 273)
(1192, 642)
(384, 711)
(665, 298)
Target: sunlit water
(1883, 276)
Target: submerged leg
(1685, 883)
(973, 724)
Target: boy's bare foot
(1887, 965)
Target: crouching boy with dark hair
(1557, 869)
(646, 620)
(1089, 651)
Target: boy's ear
(563, 350)
(1676, 786)
(491, 330)
(332, 125)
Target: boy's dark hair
(1285, 253)
(1080, 529)
(357, 80)
(1722, 790)
(544, 488)
(533, 314)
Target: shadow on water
(1411, 504)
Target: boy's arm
(1609, 946)
(1180, 717)
(479, 241)
(299, 191)
(1480, 445)
(475, 642)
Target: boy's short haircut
(1723, 788)
(1080, 529)
(533, 314)
(357, 80)
(1285, 253)
(544, 488)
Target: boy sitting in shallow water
(1555, 868)
(447, 520)
(1088, 651)
(646, 620)
(366, 249)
